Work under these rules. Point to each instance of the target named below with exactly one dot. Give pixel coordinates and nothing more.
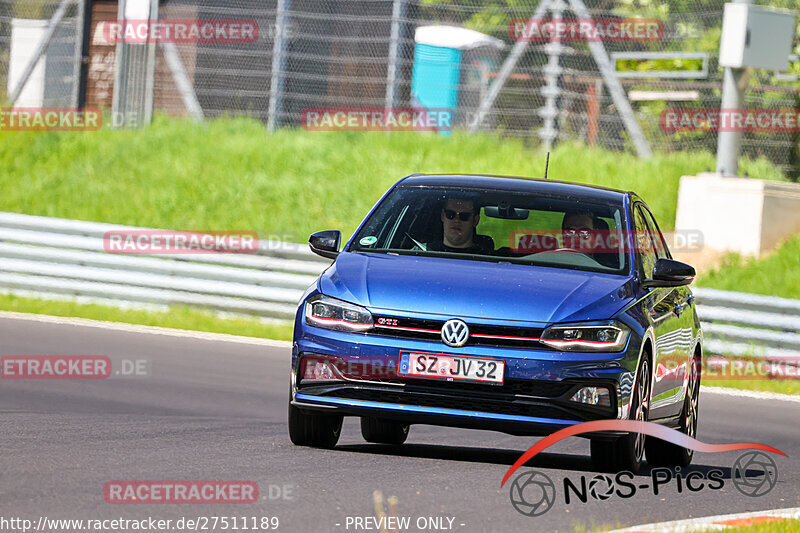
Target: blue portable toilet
(451, 67)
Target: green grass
(230, 174)
(776, 274)
(178, 317)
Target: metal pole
(729, 143)
(150, 69)
(41, 49)
(181, 78)
(278, 65)
(81, 68)
(505, 71)
(552, 89)
(119, 103)
(615, 87)
(398, 11)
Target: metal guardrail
(738, 323)
(57, 258)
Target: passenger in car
(584, 231)
(575, 226)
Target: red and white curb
(716, 523)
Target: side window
(644, 245)
(658, 239)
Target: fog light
(318, 369)
(599, 396)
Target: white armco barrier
(56, 258)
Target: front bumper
(533, 400)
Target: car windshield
(499, 226)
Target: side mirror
(671, 273)
(325, 243)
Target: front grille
(479, 334)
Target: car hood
(465, 288)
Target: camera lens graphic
(532, 493)
(601, 487)
(754, 474)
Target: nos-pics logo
(533, 493)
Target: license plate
(451, 368)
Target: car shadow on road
(551, 461)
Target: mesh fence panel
(341, 53)
(228, 78)
(338, 54)
(22, 25)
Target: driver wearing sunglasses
(459, 219)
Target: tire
(312, 429)
(383, 431)
(662, 453)
(627, 453)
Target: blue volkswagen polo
(510, 304)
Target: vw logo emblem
(455, 333)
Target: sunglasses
(584, 233)
(462, 215)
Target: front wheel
(312, 429)
(662, 453)
(626, 453)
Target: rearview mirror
(505, 211)
(325, 243)
(671, 273)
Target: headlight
(586, 338)
(330, 313)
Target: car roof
(578, 191)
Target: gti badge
(455, 333)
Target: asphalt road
(216, 410)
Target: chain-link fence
(363, 53)
(23, 24)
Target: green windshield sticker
(368, 241)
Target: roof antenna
(546, 164)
